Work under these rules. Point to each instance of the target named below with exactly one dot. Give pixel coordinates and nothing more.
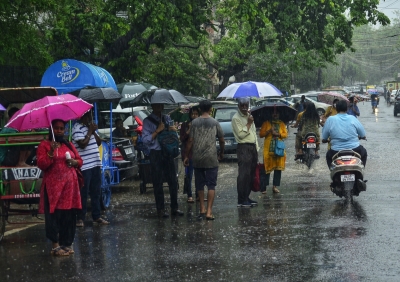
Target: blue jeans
(92, 186)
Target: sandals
(68, 249)
(80, 223)
(211, 217)
(190, 200)
(101, 221)
(59, 252)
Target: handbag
(279, 148)
(257, 177)
(79, 174)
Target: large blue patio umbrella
(69, 75)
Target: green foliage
(176, 68)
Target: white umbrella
(250, 89)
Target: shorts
(205, 177)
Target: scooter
(347, 174)
(310, 143)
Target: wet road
(303, 234)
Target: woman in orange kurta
(272, 130)
(60, 193)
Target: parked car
(274, 99)
(321, 107)
(124, 154)
(127, 115)
(396, 108)
(224, 113)
(393, 95)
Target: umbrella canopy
(250, 89)
(130, 90)
(328, 97)
(181, 113)
(156, 96)
(40, 113)
(69, 75)
(372, 91)
(264, 112)
(99, 95)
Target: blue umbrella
(250, 89)
(69, 75)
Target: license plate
(128, 151)
(311, 145)
(227, 142)
(348, 177)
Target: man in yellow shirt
(245, 134)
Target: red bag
(256, 183)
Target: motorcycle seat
(346, 153)
(310, 134)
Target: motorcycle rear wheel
(311, 157)
(348, 191)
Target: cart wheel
(142, 188)
(105, 198)
(2, 219)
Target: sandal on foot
(190, 200)
(68, 249)
(211, 217)
(80, 223)
(59, 252)
(101, 221)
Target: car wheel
(320, 112)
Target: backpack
(168, 140)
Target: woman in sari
(273, 130)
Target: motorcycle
(310, 143)
(347, 174)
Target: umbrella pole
(111, 126)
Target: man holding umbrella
(247, 148)
(160, 165)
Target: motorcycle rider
(344, 132)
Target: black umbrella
(99, 95)
(102, 96)
(130, 90)
(156, 96)
(264, 112)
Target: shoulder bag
(279, 148)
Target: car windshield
(104, 119)
(225, 114)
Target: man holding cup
(160, 165)
(247, 148)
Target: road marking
(18, 229)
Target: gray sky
(388, 7)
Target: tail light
(116, 155)
(311, 140)
(351, 161)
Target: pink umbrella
(328, 97)
(40, 113)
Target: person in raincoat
(60, 196)
(271, 131)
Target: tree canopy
(129, 37)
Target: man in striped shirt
(87, 143)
